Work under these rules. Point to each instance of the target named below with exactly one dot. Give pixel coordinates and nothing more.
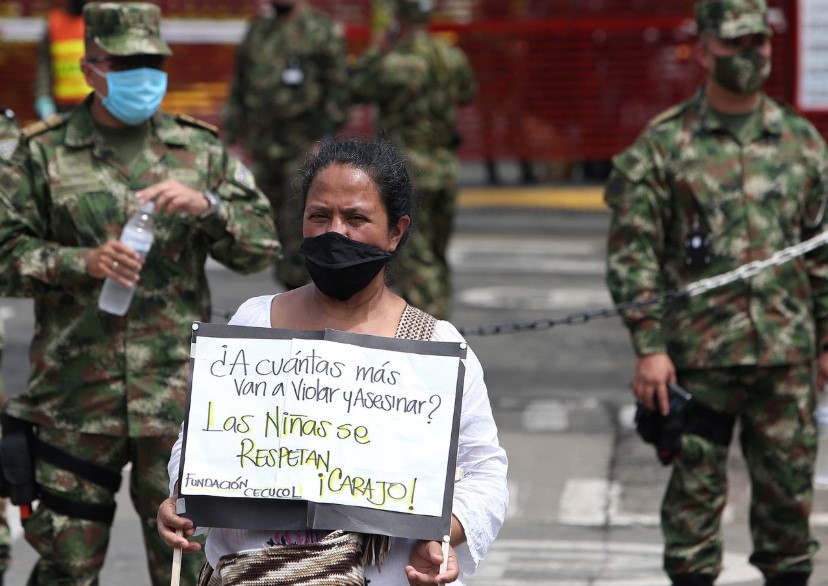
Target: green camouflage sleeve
(814, 222)
(334, 78)
(232, 115)
(30, 259)
(464, 77)
(242, 233)
(364, 79)
(635, 244)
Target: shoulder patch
(7, 147)
(189, 120)
(42, 126)
(668, 114)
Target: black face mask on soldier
(282, 8)
(339, 266)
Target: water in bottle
(137, 234)
(821, 475)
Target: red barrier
(562, 80)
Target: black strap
(712, 425)
(87, 470)
(77, 509)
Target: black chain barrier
(743, 272)
(573, 319)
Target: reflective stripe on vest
(66, 49)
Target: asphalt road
(585, 491)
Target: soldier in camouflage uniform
(9, 138)
(728, 177)
(107, 390)
(289, 90)
(417, 81)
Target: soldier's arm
(240, 230)
(363, 76)
(233, 115)
(334, 76)
(815, 221)
(31, 260)
(464, 78)
(635, 245)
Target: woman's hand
(424, 564)
(168, 525)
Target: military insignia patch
(244, 176)
(7, 147)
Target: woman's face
(343, 199)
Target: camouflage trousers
(279, 180)
(423, 275)
(72, 550)
(774, 408)
(5, 536)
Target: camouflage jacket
(289, 86)
(684, 177)
(417, 87)
(94, 372)
(9, 136)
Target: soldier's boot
(790, 579)
(693, 580)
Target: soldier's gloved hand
(173, 196)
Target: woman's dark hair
(380, 160)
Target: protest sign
(321, 430)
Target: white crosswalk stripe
(515, 562)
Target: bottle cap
(148, 207)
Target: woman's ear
(398, 232)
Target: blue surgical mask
(135, 94)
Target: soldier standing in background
(728, 177)
(417, 82)
(9, 138)
(59, 85)
(105, 390)
(289, 90)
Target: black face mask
(339, 266)
(281, 8)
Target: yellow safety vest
(66, 48)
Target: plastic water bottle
(821, 474)
(137, 234)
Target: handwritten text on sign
(319, 421)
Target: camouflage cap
(125, 28)
(728, 19)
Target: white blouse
(480, 496)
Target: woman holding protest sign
(358, 201)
